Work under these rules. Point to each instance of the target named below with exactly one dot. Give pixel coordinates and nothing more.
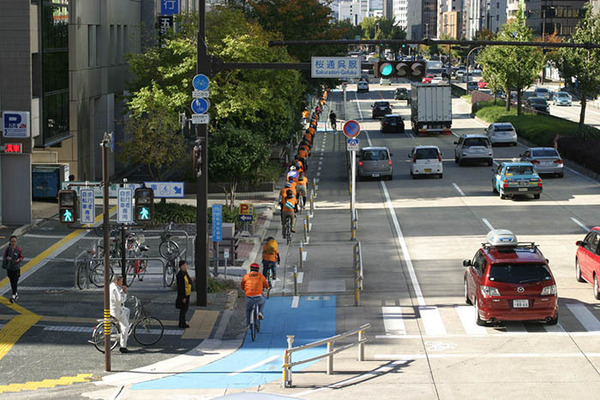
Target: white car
(362, 86)
(474, 148)
(426, 160)
(385, 81)
(436, 80)
(502, 132)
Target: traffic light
(144, 205)
(413, 70)
(67, 206)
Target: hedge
(185, 214)
(584, 151)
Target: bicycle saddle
(143, 247)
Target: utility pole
(203, 66)
(105, 144)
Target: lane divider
(487, 223)
(458, 189)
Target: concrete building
(549, 16)
(450, 18)
(400, 12)
(422, 19)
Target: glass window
(519, 273)
(591, 241)
(56, 24)
(56, 71)
(426, 154)
(544, 153)
(520, 170)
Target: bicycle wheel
(131, 273)
(256, 319)
(170, 273)
(81, 276)
(169, 250)
(148, 331)
(142, 267)
(253, 330)
(98, 336)
(97, 274)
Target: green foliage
(220, 285)
(173, 212)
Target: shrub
(173, 212)
(583, 151)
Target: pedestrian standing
(11, 262)
(118, 295)
(184, 291)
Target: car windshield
(519, 273)
(382, 104)
(392, 119)
(544, 153)
(374, 155)
(503, 128)
(537, 100)
(401, 90)
(562, 94)
(541, 90)
(426, 154)
(476, 142)
(519, 170)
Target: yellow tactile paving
(201, 324)
(14, 329)
(46, 383)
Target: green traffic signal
(67, 206)
(144, 213)
(67, 216)
(144, 204)
(386, 69)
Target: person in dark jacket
(11, 262)
(184, 290)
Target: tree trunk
(519, 93)
(508, 99)
(582, 115)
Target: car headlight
(548, 290)
(489, 291)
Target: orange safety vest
(270, 251)
(253, 283)
(283, 194)
(303, 181)
(305, 114)
(303, 153)
(289, 204)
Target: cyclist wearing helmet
(293, 173)
(253, 284)
(301, 184)
(288, 210)
(283, 192)
(332, 119)
(270, 257)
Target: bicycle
(287, 229)
(269, 281)
(135, 249)
(147, 330)
(170, 272)
(89, 270)
(254, 322)
(168, 249)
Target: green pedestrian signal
(67, 206)
(144, 204)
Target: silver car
(542, 92)
(375, 162)
(562, 99)
(474, 148)
(502, 132)
(546, 160)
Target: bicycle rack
(162, 261)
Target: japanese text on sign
(335, 67)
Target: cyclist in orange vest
(253, 284)
(289, 208)
(270, 257)
(301, 186)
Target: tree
(583, 65)
(513, 67)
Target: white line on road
(585, 228)
(432, 320)
(392, 320)
(581, 175)
(482, 355)
(487, 223)
(458, 189)
(400, 237)
(295, 301)
(467, 318)
(585, 317)
(258, 364)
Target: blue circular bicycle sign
(351, 128)
(200, 106)
(200, 82)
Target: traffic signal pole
(203, 66)
(105, 144)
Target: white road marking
(487, 223)
(482, 355)
(458, 189)
(585, 317)
(258, 364)
(295, 301)
(392, 320)
(467, 318)
(406, 255)
(581, 175)
(300, 277)
(432, 320)
(585, 228)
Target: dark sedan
(381, 108)
(538, 104)
(392, 123)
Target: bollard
(301, 258)
(308, 223)
(330, 358)
(352, 230)
(287, 360)
(312, 205)
(361, 345)
(295, 280)
(305, 232)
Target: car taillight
(535, 162)
(414, 158)
(360, 163)
(489, 291)
(389, 162)
(548, 290)
(540, 183)
(559, 161)
(440, 156)
(505, 184)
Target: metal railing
(331, 351)
(357, 265)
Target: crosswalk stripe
(467, 318)
(585, 317)
(432, 320)
(392, 320)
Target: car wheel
(561, 175)
(553, 321)
(596, 289)
(478, 320)
(536, 196)
(514, 144)
(440, 176)
(467, 299)
(578, 271)
(391, 177)
(456, 159)
(494, 189)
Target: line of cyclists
(292, 198)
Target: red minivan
(510, 281)
(587, 260)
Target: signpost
(125, 208)
(88, 210)
(217, 222)
(352, 130)
(335, 67)
(201, 104)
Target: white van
(426, 160)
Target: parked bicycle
(147, 330)
(136, 251)
(91, 268)
(170, 272)
(168, 248)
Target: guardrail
(331, 351)
(358, 272)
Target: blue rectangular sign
(217, 222)
(169, 7)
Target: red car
(510, 281)
(427, 79)
(482, 84)
(587, 260)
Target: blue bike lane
(256, 363)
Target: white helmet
(292, 168)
